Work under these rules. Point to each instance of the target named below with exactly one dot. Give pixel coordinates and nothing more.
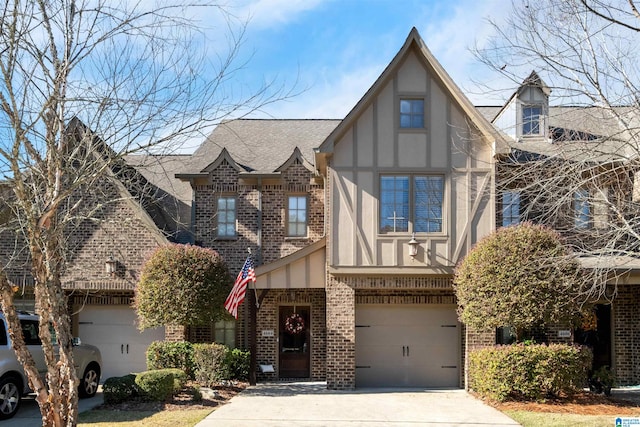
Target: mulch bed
(583, 403)
(185, 400)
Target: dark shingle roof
(261, 145)
(599, 134)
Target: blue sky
(336, 49)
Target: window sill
(294, 238)
(412, 130)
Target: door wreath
(294, 324)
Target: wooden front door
(294, 342)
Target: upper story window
(412, 113)
(581, 209)
(226, 216)
(531, 120)
(297, 216)
(510, 208)
(411, 203)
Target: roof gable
(295, 156)
(222, 157)
(415, 43)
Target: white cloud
(332, 96)
(272, 13)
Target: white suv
(13, 381)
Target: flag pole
(253, 314)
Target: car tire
(89, 381)
(10, 394)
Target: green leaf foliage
(120, 389)
(171, 354)
(157, 385)
(211, 363)
(520, 276)
(182, 285)
(528, 372)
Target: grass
(536, 419)
(110, 418)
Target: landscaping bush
(182, 285)
(209, 361)
(166, 354)
(119, 389)
(179, 378)
(156, 385)
(528, 372)
(238, 362)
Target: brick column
(626, 336)
(341, 344)
(175, 333)
(475, 339)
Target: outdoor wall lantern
(413, 246)
(110, 266)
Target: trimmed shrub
(119, 389)
(182, 285)
(238, 362)
(521, 276)
(528, 372)
(166, 354)
(210, 363)
(179, 378)
(156, 385)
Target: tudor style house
(356, 226)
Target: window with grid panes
(297, 216)
(226, 216)
(411, 203)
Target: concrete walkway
(310, 404)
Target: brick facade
(626, 334)
(341, 334)
(261, 213)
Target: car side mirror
(76, 341)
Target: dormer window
(532, 120)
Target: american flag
(236, 296)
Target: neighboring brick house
(106, 254)
(357, 225)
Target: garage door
(113, 330)
(407, 346)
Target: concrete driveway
(310, 404)
(29, 414)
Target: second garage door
(407, 346)
(113, 330)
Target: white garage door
(113, 330)
(407, 346)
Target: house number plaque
(268, 333)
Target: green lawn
(110, 418)
(537, 419)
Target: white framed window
(581, 209)
(226, 216)
(510, 208)
(532, 120)
(297, 216)
(412, 113)
(411, 203)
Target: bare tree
(135, 74)
(581, 178)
